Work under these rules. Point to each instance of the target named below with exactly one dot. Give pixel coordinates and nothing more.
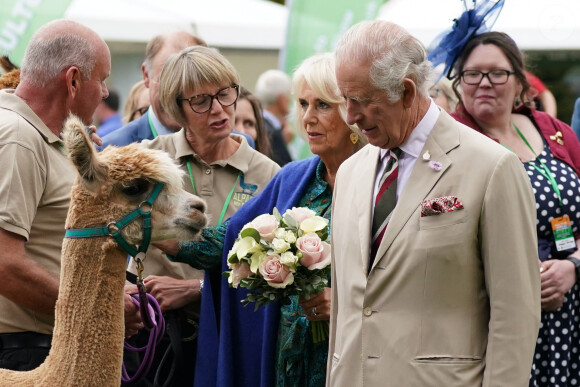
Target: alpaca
(87, 345)
(11, 77)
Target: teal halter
(114, 228)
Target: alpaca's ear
(82, 153)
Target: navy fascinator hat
(475, 20)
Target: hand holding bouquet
(276, 257)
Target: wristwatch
(576, 263)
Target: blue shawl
(237, 346)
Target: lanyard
(228, 199)
(189, 169)
(152, 125)
(59, 145)
(546, 171)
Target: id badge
(563, 235)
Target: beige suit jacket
(452, 299)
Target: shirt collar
(419, 134)
(159, 127)
(10, 101)
(240, 160)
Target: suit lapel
(443, 138)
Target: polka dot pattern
(557, 357)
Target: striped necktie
(385, 201)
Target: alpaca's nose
(197, 205)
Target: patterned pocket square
(440, 205)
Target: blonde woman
(274, 346)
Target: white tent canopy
(533, 24)
(247, 24)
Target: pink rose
(266, 225)
(299, 214)
(238, 273)
(315, 252)
(275, 273)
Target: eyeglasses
(495, 77)
(201, 103)
(141, 111)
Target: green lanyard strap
(152, 125)
(228, 199)
(546, 171)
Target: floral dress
(557, 356)
(300, 362)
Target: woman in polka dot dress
(490, 71)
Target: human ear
(73, 78)
(409, 92)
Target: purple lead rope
(155, 324)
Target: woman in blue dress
(273, 346)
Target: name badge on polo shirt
(563, 235)
(246, 193)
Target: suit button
(207, 171)
(368, 311)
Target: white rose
(280, 245)
(289, 260)
(290, 237)
(280, 233)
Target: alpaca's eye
(136, 187)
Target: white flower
(256, 259)
(290, 237)
(247, 245)
(280, 245)
(316, 223)
(280, 232)
(289, 260)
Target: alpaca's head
(114, 182)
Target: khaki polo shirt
(213, 183)
(35, 184)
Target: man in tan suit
(452, 295)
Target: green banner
(316, 25)
(19, 19)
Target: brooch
(557, 137)
(436, 166)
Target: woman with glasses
(493, 100)
(198, 88)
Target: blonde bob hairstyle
(318, 72)
(189, 70)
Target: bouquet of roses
(276, 257)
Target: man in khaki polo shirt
(64, 71)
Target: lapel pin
(557, 137)
(435, 165)
(426, 156)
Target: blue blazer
(135, 131)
